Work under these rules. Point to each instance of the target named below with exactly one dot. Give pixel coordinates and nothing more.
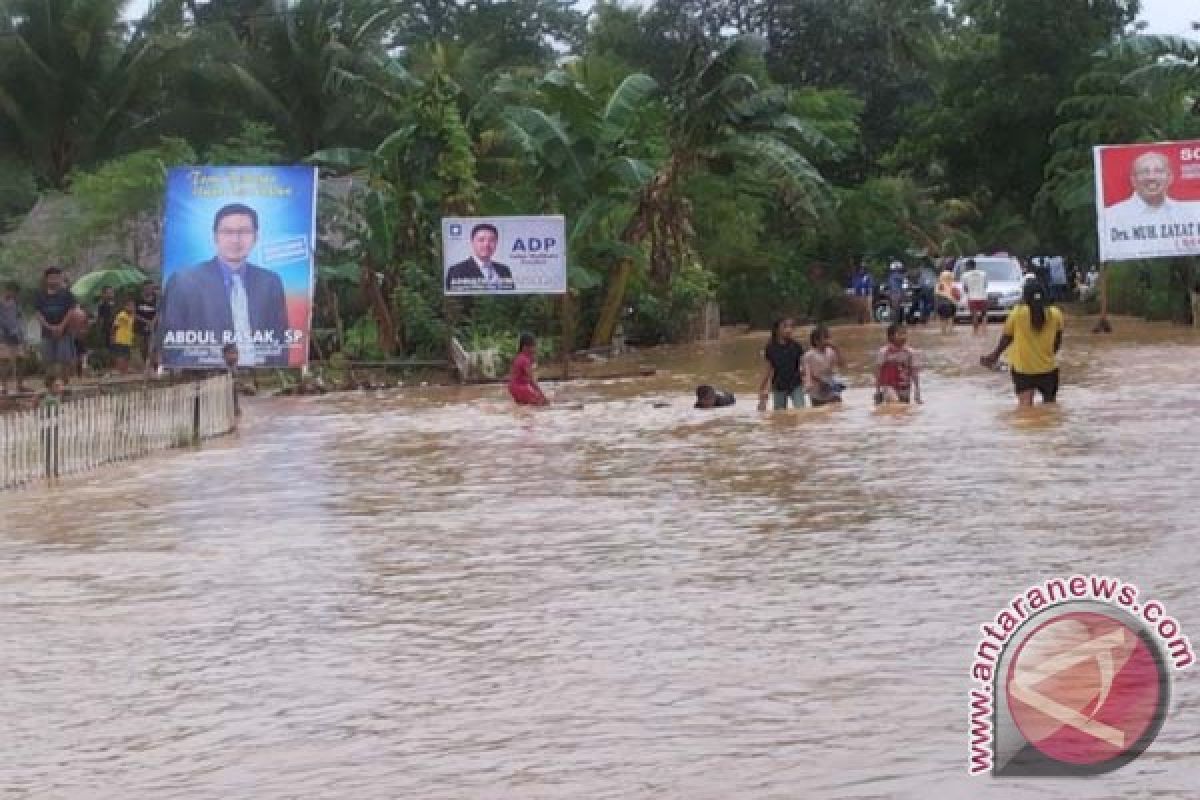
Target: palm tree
(76, 82)
(718, 116)
(319, 74)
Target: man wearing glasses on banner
(226, 300)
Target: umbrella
(120, 278)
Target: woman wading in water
(1035, 332)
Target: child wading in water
(785, 370)
(522, 382)
(896, 377)
(819, 365)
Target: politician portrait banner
(504, 255)
(238, 265)
(1148, 200)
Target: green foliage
(776, 144)
(480, 338)
(362, 341)
(418, 300)
(667, 316)
(1156, 290)
(113, 195)
(1002, 79)
(255, 145)
(18, 190)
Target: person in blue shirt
(895, 289)
(862, 288)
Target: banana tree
(718, 116)
(422, 170)
(583, 154)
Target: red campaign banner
(1148, 200)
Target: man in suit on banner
(226, 299)
(1150, 222)
(480, 272)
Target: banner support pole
(566, 335)
(1103, 325)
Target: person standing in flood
(862, 286)
(820, 364)
(53, 305)
(975, 284)
(12, 337)
(945, 297)
(522, 381)
(1035, 333)
(897, 379)
(784, 372)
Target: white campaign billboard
(1148, 200)
(504, 255)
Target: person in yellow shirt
(122, 335)
(1035, 333)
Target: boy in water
(708, 397)
(896, 376)
(522, 381)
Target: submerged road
(428, 594)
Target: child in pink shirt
(522, 382)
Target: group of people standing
(66, 328)
(791, 374)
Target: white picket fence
(85, 433)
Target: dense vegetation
(750, 151)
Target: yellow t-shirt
(1032, 352)
(123, 329)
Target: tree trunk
(383, 316)
(610, 312)
(640, 225)
(335, 311)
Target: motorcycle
(909, 311)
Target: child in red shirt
(897, 379)
(522, 381)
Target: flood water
(427, 594)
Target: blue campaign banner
(238, 266)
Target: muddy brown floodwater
(426, 594)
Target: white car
(1005, 282)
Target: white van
(1004, 284)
